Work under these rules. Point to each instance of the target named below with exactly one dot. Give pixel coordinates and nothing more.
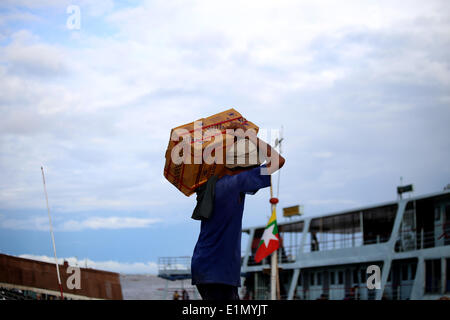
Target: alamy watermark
(232, 147)
(374, 280)
(74, 281)
(73, 22)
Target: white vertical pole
(273, 276)
(51, 232)
(274, 263)
(274, 281)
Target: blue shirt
(217, 254)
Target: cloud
(18, 16)
(94, 223)
(360, 89)
(114, 266)
(35, 223)
(107, 223)
(34, 60)
(99, 8)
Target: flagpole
(53, 237)
(274, 277)
(274, 280)
(273, 262)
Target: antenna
(51, 232)
(278, 142)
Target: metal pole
(274, 281)
(275, 284)
(279, 149)
(53, 237)
(273, 276)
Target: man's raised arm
(274, 160)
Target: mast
(274, 275)
(273, 262)
(53, 237)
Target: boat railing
(171, 264)
(413, 239)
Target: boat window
(291, 233)
(363, 275)
(404, 272)
(437, 213)
(340, 277)
(424, 224)
(433, 276)
(378, 223)
(334, 232)
(413, 270)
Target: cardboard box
(191, 142)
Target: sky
(361, 89)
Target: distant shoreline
(151, 287)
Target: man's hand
(274, 160)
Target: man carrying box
(216, 261)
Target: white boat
(327, 256)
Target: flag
(270, 240)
